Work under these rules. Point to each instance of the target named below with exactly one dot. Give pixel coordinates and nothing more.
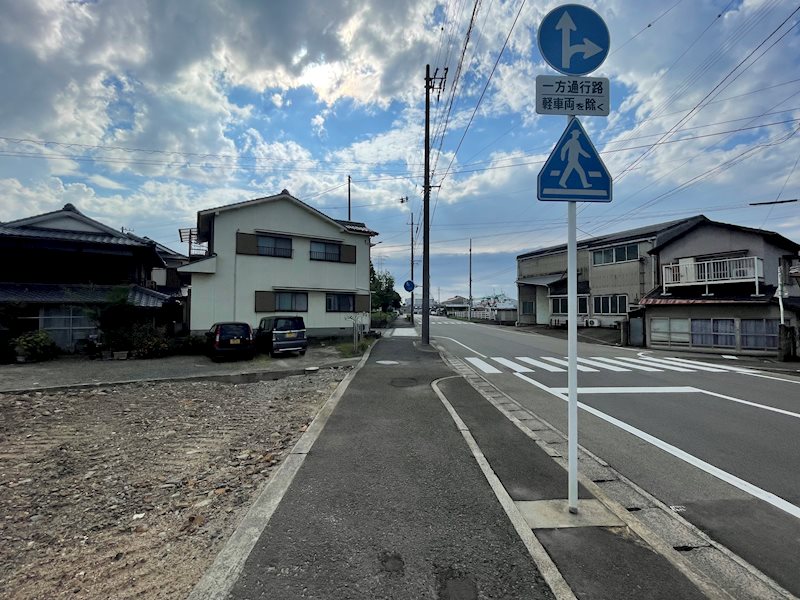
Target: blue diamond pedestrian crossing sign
(574, 170)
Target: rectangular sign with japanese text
(570, 95)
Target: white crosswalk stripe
(596, 364)
(697, 363)
(654, 362)
(483, 365)
(512, 365)
(593, 363)
(630, 365)
(564, 363)
(540, 364)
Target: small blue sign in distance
(573, 39)
(409, 286)
(574, 172)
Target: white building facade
(279, 256)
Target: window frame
(608, 256)
(337, 309)
(325, 255)
(563, 303)
(294, 296)
(274, 250)
(610, 304)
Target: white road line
(631, 390)
(564, 363)
(540, 364)
(482, 365)
(729, 478)
(653, 362)
(594, 363)
(773, 378)
(541, 558)
(748, 403)
(626, 364)
(460, 344)
(693, 363)
(512, 365)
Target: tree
(381, 283)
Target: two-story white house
(280, 256)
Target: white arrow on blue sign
(573, 39)
(574, 171)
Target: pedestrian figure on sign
(573, 151)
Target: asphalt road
(720, 443)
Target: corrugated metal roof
(54, 293)
(661, 231)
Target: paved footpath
(397, 498)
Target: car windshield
(289, 324)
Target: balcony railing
(724, 270)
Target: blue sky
(141, 113)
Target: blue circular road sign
(573, 39)
(409, 286)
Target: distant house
(691, 283)
(278, 255)
(59, 265)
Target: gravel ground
(130, 491)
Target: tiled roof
(356, 227)
(71, 293)
(72, 236)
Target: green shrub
(35, 346)
(148, 341)
(190, 344)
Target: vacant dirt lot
(130, 491)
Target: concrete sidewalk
(414, 490)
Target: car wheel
(302, 352)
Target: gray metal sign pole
(572, 350)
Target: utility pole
(404, 200)
(434, 82)
(348, 198)
(412, 266)
(469, 309)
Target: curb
(240, 377)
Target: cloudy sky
(141, 113)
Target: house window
(528, 308)
(759, 334)
(669, 331)
(66, 324)
(608, 256)
(340, 303)
(560, 306)
(615, 304)
(269, 245)
(294, 301)
(326, 251)
(714, 333)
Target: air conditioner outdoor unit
(151, 284)
(592, 322)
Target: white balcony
(725, 270)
